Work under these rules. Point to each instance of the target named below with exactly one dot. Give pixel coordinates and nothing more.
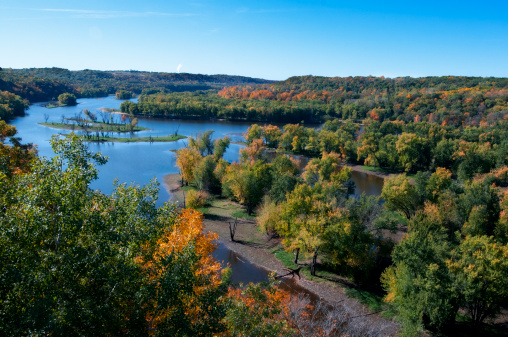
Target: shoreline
(257, 249)
(361, 169)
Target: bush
(197, 199)
(67, 99)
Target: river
(141, 162)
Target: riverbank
(371, 171)
(260, 249)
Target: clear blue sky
(266, 39)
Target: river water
(141, 162)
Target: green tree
(480, 266)
(247, 183)
(204, 175)
(419, 284)
(67, 99)
(414, 152)
(400, 195)
(67, 250)
(203, 143)
(220, 146)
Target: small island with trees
(65, 99)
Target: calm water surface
(141, 162)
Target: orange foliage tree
(186, 281)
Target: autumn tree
(259, 310)
(187, 159)
(271, 135)
(15, 158)
(253, 132)
(253, 152)
(66, 249)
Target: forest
(455, 101)
(434, 244)
(450, 205)
(45, 84)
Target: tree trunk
(297, 253)
(232, 229)
(313, 265)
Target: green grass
(188, 188)
(373, 169)
(285, 257)
(402, 220)
(243, 215)
(134, 139)
(52, 105)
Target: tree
(480, 266)
(444, 154)
(419, 284)
(17, 158)
(400, 195)
(369, 148)
(67, 99)
(247, 183)
(203, 143)
(253, 132)
(204, 175)
(322, 169)
(11, 105)
(281, 186)
(186, 282)
(284, 165)
(187, 159)
(479, 208)
(66, 250)
(414, 152)
(253, 152)
(219, 147)
(259, 310)
(123, 94)
(271, 134)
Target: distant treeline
(445, 100)
(45, 84)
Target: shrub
(197, 199)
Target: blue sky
(266, 39)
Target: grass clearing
(243, 215)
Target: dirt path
(257, 248)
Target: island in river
(149, 139)
(95, 127)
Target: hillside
(44, 84)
